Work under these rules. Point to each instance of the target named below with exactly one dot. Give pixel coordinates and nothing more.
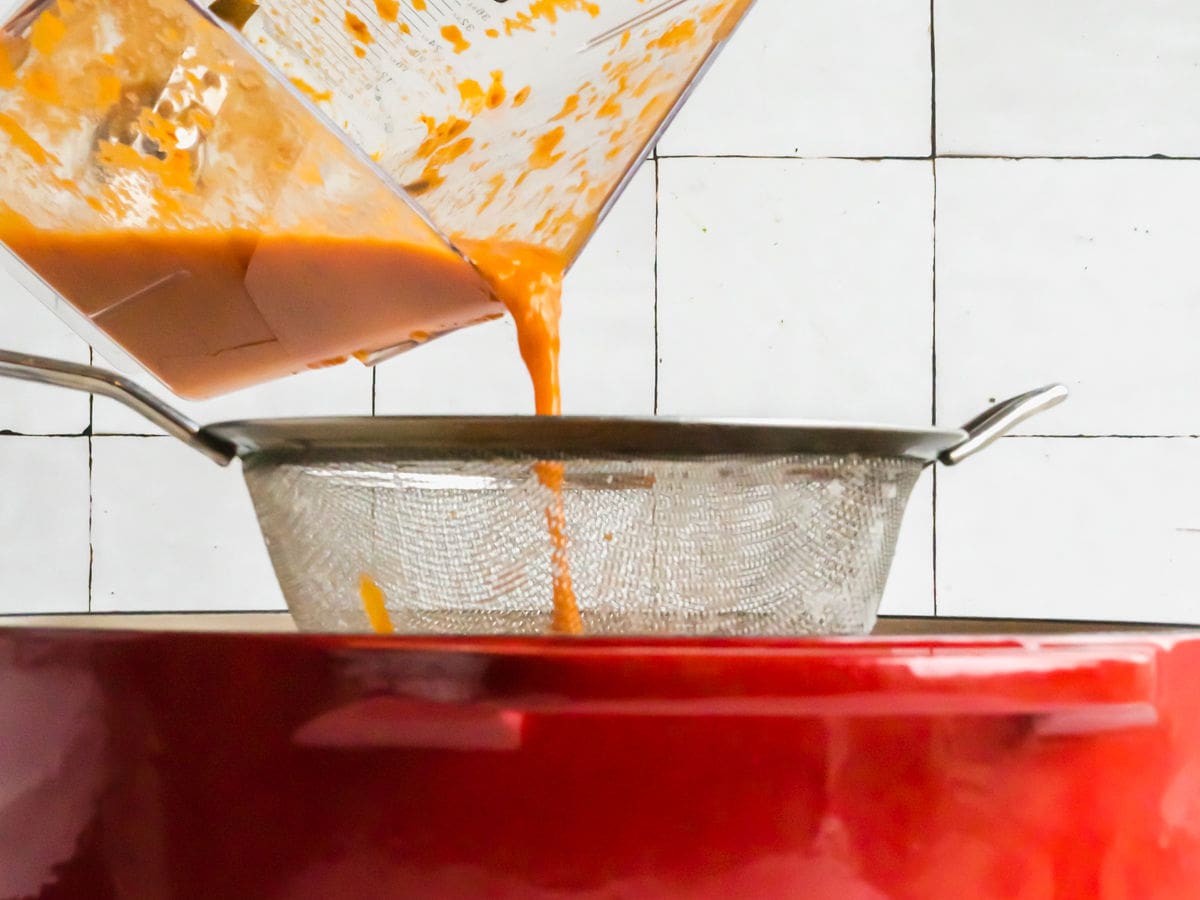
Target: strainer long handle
(996, 421)
(109, 384)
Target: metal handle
(997, 421)
(109, 384)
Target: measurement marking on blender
(294, 31)
(366, 12)
(385, 40)
(420, 18)
(316, 35)
(153, 286)
(335, 41)
(409, 19)
(642, 19)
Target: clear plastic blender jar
(235, 192)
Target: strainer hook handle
(996, 421)
(92, 380)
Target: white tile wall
(850, 78)
(1068, 77)
(1073, 528)
(891, 284)
(1071, 270)
(173, 531)
(30, 327)
(795, 288)
(44, 514)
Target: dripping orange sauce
(528, 280)
(375, 605)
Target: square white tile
(607, 336)
(796, 288)
(27, 326)
(476, 371)
(173, 531)
(1062, 528)
(44, 523)
(851, 78)
(1068, 77)
(1076, 271)
(910, 585)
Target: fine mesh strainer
(673, 527)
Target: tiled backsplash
(800, 246)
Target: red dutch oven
(158, 765)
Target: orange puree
(375, 605)
(388, 9)
(211, 311)
(358, 28)
(565, 618)
(528, 280)
(454, 35)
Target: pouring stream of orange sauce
(375, 605)
(528, 281)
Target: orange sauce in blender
(211, 311)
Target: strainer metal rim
(579, 436)
(542, 437)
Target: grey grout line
(657, 286)
(1154, 157)
(91, 523)
(933, 147)
(1104, 437)
(36, 434)
(80, 435)
(924, 158)
(933, 325)
(933, 152)
(91, 489)
(933, 380)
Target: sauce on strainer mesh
(528, 280)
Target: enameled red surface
(238, 766)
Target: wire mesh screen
(732, 545)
